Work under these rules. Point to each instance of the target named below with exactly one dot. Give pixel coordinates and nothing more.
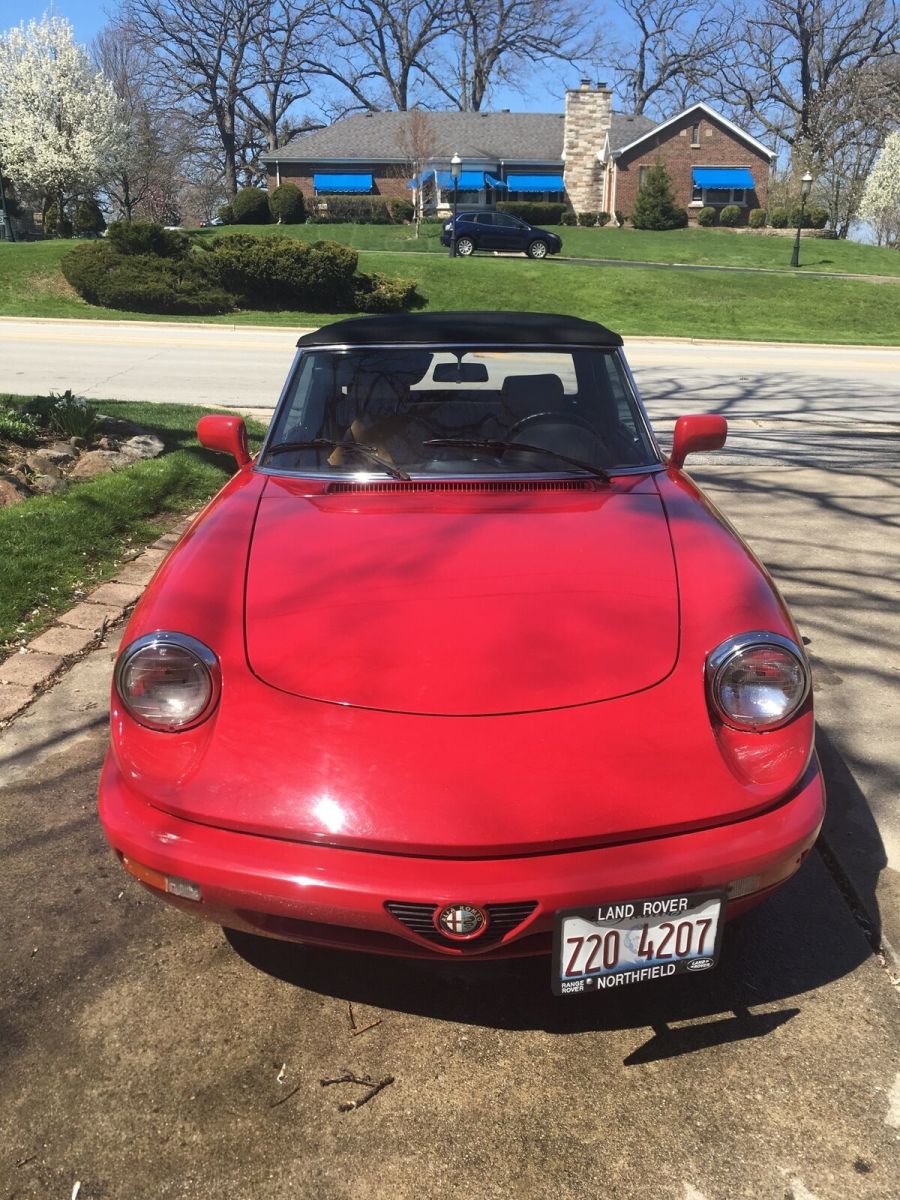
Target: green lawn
(633, 300)
(50, 546)
(708, 247)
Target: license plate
(635, 941)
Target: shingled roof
(493, 136)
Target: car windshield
(453, 411)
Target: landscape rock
(50, 484)
(118, 426)
(12, 491)
(99, 462)
(58, 452)
(144, 445)
(41, 463)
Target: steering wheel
(550, 418)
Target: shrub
(362, 210)
(72, 416)
(146, 237)
(286, 205)
(816, 218)
(534, 212)
(730, 216)
(402, 211)
(568, 218)
(707, 216)
(779, 218)
(251, 207)
(587, 219)
(283, 273)
(603, 218)
(139, 282)
(757, 218)
(226, 214)
(379, 294)
(56, 225)
(89, 218)
(654, 207)
(18, 426)
(621, 217)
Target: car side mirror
(697, 432)
(225, 433)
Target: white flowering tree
(59, 127)
(881, 198)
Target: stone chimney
(587, 123)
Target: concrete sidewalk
(831, 539)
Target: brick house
(590, 157)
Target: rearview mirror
(697, 432)
(225, 433)
(460, 372)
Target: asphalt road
(143, 1055)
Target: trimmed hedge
(145, 268)
(779, 218)
(757, 218)
(286, 204)
(813, 218)
(707, 216)
(534, 212)
(89, 218)
(144, 282)
(265, 272)
(251, 207)
(730, 216)
(362, 210)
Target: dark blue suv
(499, 231)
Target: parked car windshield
(397, 402)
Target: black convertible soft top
(462, 328)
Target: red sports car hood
(462, 603)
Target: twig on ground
(351, 1016)
(365, 1029)
(365, 1081)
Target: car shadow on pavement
(803, 938)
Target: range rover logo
(461, 921)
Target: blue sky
(546, 94)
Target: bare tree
(418, 145)
(285, 46)
(503, 41)
(662, 64)
(381, 48)
(788, 59)
(201, 59)
(145, 175)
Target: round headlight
(757, 681)
(168, 681)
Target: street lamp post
(455, 163)
(805, 186)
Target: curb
(29, 672)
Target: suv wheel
(538, 249)
(464, 246)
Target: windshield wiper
(368, 452)
(499, 447)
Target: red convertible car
(461, 664)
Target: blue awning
(722, 177)
(342, 183)
(470, 181)
(535, 183)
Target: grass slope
(634, 300)
(52, 547)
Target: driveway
(147, 1056)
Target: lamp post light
(455, 164)
(805, 186)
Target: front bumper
(321, 895)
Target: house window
(723, 195)
(695, 135)
(696, 194)
(643, 176)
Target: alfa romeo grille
(502, 919)
(487, 486)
